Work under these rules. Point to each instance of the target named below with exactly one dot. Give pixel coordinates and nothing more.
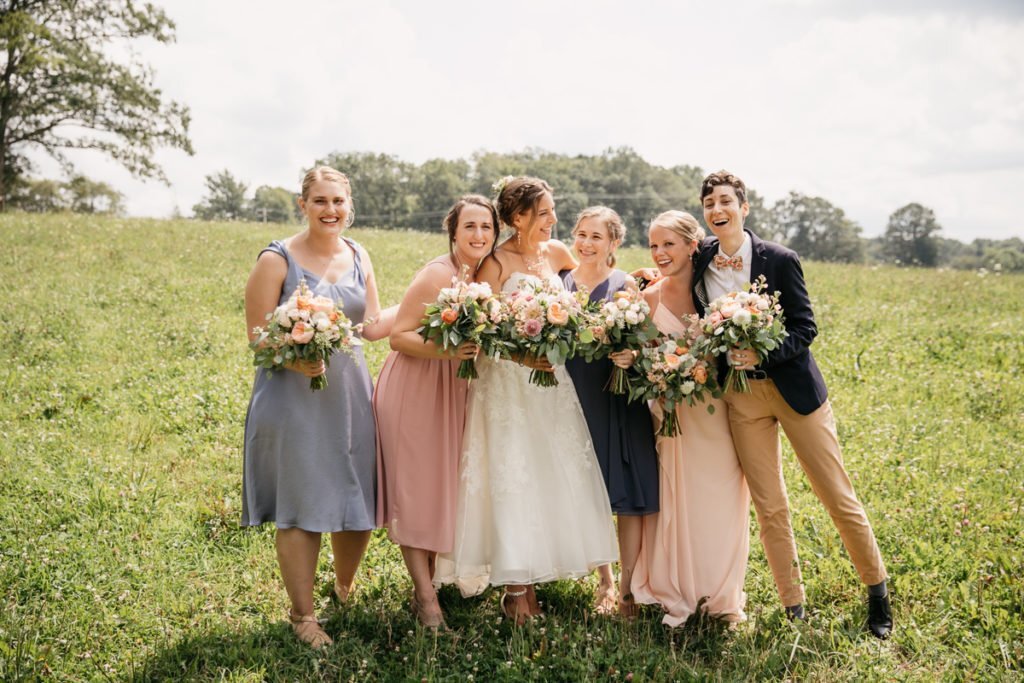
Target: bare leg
(531, 597)
(348, 547)
(432, 563)
(424, 601)
(630, 533)
(297, 552)
(604, 598)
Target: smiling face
(475, 233)
(724, 213)
(669, 251)
(536, 226)
(592, 242)
(327, 205)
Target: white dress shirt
(722, 281)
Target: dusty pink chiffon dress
(696, 547)
(420, 406)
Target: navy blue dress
(622, 432)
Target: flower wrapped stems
(543, 322)
(622, 324)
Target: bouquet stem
(618, 382)
(669, 423)
(319, 382)
(467, 369)
(736, 380)
(543, 378)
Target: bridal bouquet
(466, 311)
(623, 323)
(305, 327)
(674, 371)
(750, 319)
(543, 320)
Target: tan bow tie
(734, 262)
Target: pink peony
(532, 327)
(302, 333)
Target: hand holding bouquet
(466, 311)
(747, 320)
(305, 327)
(622, 324)
(543, 321)
(674, 371)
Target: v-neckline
(320, 278)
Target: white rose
(282, 318)
(635, 308)
(294, 313)
(763, 304)
(632, 318)
(321, 322)
(609, 321)
(687, 388)
(742, 317)
(623, 304)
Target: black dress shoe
(879, 616)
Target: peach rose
(303, 303)
(557, 314)
(672, 361)
(729, 309)
(323, 304)
(449, 315)
(716, 319)
(700, 374)
(302, 333)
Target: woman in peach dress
(420, 406)
(693, 552)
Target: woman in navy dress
(622, 432)
(310, 457)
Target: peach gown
(695, 549)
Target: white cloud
(870, 107)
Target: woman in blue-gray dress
(622, 432)
(310, 457)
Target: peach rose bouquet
(751, 319)
(543, 321)
(305, 327)
(623, 323)
(466, 311)
(673, 372)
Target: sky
(869, 104)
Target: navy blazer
(791, 366)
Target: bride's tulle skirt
(532, 505)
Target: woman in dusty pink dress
(420, 407)
(694, 551)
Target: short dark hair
(723, 178)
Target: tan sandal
(606, 601)
(628, 608)
(431, 621)
(518, 618)
(308, 630)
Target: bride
(532, 505)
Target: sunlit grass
(124, 383)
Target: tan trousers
(754, 419)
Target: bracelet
(371, 320)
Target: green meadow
(125, 376)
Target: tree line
(391, 193)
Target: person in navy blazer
(787, 390)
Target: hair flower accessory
(499, 185)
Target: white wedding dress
(532, 504)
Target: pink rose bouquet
(305, 327)
(674, 371)
(466, 311)
(751, 319)
(620, 324)
(543, 321)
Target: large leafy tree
(225, 199)
(911, 237)
(61, 88)
(274, 205)
(816, 229)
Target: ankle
(878, 590)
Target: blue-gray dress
(622, 432)
(310, 456)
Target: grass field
(125, 378)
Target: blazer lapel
(703, 258)
(759, 259)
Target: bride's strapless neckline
(516, 276)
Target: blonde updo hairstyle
(332, 175)
(681, 223)
(611, 221)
